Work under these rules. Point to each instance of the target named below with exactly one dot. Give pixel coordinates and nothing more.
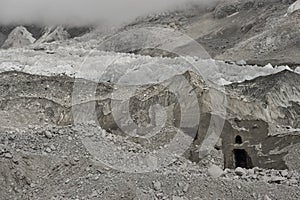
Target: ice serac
(294, 7)
(273, 98)
(19, 37)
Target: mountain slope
(18, 38)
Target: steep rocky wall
(31, 99)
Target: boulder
(157, 185)
(215, 171)
(240, 171)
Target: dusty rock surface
(45, 155)
(37, 166)
(71, 134)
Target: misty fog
(82, 12)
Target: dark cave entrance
(242, 159)
(238, 140)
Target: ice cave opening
(242, 159)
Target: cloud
(81, 12)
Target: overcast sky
(82, 11)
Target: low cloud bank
(82, 12)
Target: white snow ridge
(18, 38)
(294, 7)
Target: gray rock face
(226, 8)
(55, 108)
(269, 44)
(229, 7)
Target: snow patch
(294, 7)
